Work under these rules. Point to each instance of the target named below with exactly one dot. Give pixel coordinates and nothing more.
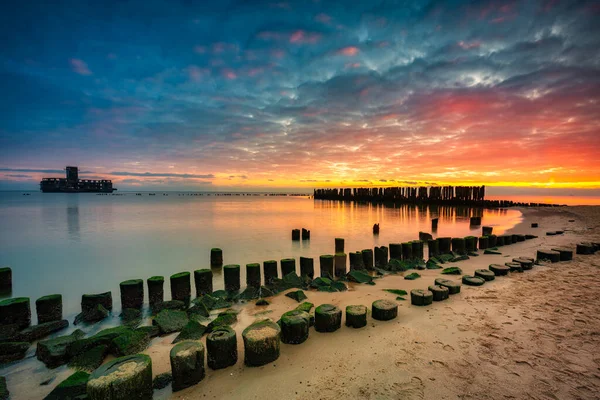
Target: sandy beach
(528, 335)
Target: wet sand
(529, 335)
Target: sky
(285, 95)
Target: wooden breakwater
(446, 195)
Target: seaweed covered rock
(262, 302)
(289, 281)
(491, 251)
(152, 331)
(203, 280)
(104, 337)
(566, 254)
(384, 310)
(169, 321)
(472, 280)
(452, 271)
(356, 316)
(297, 295)
(15, 311)
(452, 286)
(253, 293)
(131, 317)
(294, 327)
(187, 364)
(433, 263)
(262, 342)
(420, 297)
(526, 263)
(221, 348)
(360, 277)
(440, 293)
(306, 307)
(326, 262)
(328, 285)
(155, 290)
(124, 378)
(499, 270)
(170, 305)
(328, 318)
(53, 352)
(181, 287)
(412, 276)
(90, 359)
(130, 342)
(226, 318)
(49, 308)
(132, 293)
(36, 332)
(74, 387)
(486, 274)
(211, 302)
(161, 381)
(12, 351)
(193, 330)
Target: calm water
(85, 243)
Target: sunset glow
(303, 94)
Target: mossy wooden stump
(548, 255)
(262, 342)
(499, 270)
(216, 258)
(514, 267)
(156, 291)
(203, 280)
(453, 287)
(407, 253)
(459, 245)
(125, 378)
(187, 364)
(381, 256)
(471, 243)
(15, 311)
(181, 287)
(49, 308)
(326, 262)
(440, 293)
(417, 249)
(132, 293)
(295, 234)
(253, 275)
(420, 297)
(470, 280)
(340, 264)
(384, 310)
(307, 267)
(445, 244)
(221, 348)
(565, 253)
(5, 279)
(95, 307)
(288, 265)
(367, 256)
(583, 248)
(356, 261)
(484, 242)
(231, 276)
(270, 271)
(339, 245)
(396, 251)
(356, 316)
(294, 327)
(433, 248)
(328, 318)
(492, 241)
(486, 230)
(526, 263)
(485, 274)
(305, 234)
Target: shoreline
(381, 359)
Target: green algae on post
(216, 258)
(203, 280)
(294, 327)
(288, 265)
(328, 318)
(221, 348)
(326, 265)
(181, 287)
(356, 316)
(367, 256)
(15, 311)
(339, 245)
(340, 264)
(90, 359)
(155, 290)
(231, 276)
(307, 267)
(253, 275)
(132, 293)
(123, 378)
(270, 271)
(384, 310)
(262, 342)
(49, 308)
(187, 364)
(356, 261)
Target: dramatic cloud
(303, 94)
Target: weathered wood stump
(407, 253)
(433, 247)
(339, 245)
(492, 241)
(253, 275)
(221, 348)
(270, 271)
(367, 256)
(420, 297)
(396, 251)
(444, 244)
(288, 265)
(470, 243)
(132, 293)
(262, 342)
(216, 257)
(417, 249)
(381, 256)
(231, 277)
(187, 364)
(203, 280)
(155, 290)
(305, 234)
(5, 280)
(125, 378)
(356, 316)
(384, 310)
(181, 287)
(459, 245)
(534, 224)
(328, 318)
(514, 267)
(307, 267)
(486, 230)
(326, 265)
(565, 253)
(470, 280)
(295, 234)
(439, 292)
(49, 308)
(548, 255)
(526, 263)
(485, 274)
(584, 248)
(15, 311)
(434, 224)
(294, 327)
(356, 261)
(340, 264)
(484, 242)
(453, 287)
(499, 270)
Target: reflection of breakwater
(446, 195)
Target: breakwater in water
(473, 196)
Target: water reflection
(73, 222)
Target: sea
(74, 244)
